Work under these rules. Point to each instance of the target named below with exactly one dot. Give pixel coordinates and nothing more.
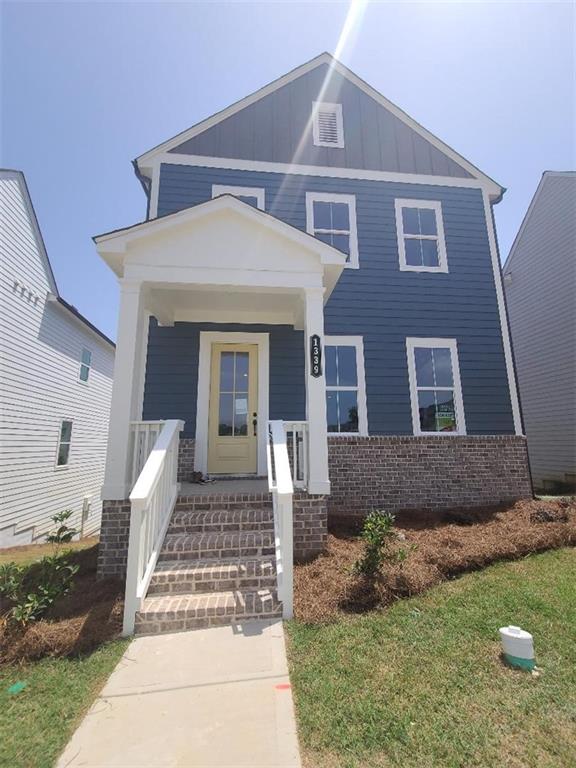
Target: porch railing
(152, 502)
(282, 490)
(297, 440)
(143, 436)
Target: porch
(220, 264)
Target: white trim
(504, 326)
(333, 197)
(336, 109)
(207, 338)
(360, 388)
(324, 58)
(234, 164)
(411, 344)
(154, 189)
(439, 238)
(235, 191)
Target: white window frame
(333, 197)
(432, 205)
(413, 343)
(317, 107)
(230, 189)
(85, 365)
(358, 343)
(59, 443)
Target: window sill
(438, 270)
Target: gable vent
(328, 127)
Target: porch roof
(223, 241)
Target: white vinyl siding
(41, 347)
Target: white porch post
(127, 388)
(318, 478)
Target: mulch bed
(76, 624)
(440, 546)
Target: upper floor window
(435, 389)
(332, 219)
(345, 388)
(64, 442)
(85, 364)
(327, 124)
(420, 233)
(254, 196)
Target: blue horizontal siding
(171, 383)
(377, 301)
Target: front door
(232, 422)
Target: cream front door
(232, 422)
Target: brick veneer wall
(185, 459)
(310, 525)
(114, 532)
(425, 473)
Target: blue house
(315, 298)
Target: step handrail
(281, 487)
(151, 505)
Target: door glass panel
(241, 376)
(225, 418)
(227, 371)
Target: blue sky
(88, 86)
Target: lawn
(37, 723)
(29, 553)
(421, 683)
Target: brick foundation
(185, 459)
(114, 532)
(425, 473)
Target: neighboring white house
(540, 284)
(56, 373)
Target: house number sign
(315, 356)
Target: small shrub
(32, 590)
(377, 533)
(62, 534)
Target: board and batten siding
(377, 301)
(41, 345)
(540, 285)
(277, 128)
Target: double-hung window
(420, 230)
(435, 389)
(64, 443)
(332, 219)
(254, 196)
(85, 363)
(345, 387)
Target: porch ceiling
(223, 242)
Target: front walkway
(212, 697)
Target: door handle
(255, 424)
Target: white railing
(297, 438)
(282, 489)
(143, 436)
(152, 501)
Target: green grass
(422, 683)
(36, 723)
(29, 553)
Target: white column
(318, 479)
(127, 388)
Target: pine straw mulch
(439, 547)
(88, 616)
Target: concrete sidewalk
(211, 697)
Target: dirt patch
(439, 547)
(78, 623)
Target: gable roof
(546, 177)
(144, 162)
(18, 176)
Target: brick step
(174, 613)
(229, 501)
(221, 520)
(177, 577)
(213, 546)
